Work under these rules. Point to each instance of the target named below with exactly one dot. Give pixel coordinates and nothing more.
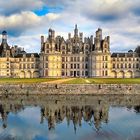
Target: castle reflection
(92, 109)
(75, 114)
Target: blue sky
(26, 20)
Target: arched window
(47, 46)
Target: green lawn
(103, 81)
(73, 81)
(25, 80)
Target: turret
(98, 39)
(51, 34)
(81, 37)
(42, 42)
(69, 36)
(99, 34)
(4, 37)
(91, 39)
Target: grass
(71, 81)
(103, 81)
(25, 80)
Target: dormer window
(24, 55)
(32, 55)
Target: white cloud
(17, 24)
(9, 7)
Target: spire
(76, 26)
(76, 31)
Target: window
(46, 58)
(137, 65)
(113, 65)
(103, 58)
(36, 66)
(125, 65)
(78, 66)
(103, 73)
(78, 73)
(86, 73)
(86, 58)
(63, 73)
(133, 65)
(121, 65)
(106, 73)
(106, 65)
(71, 73)
(63, 52)
(63, 66)
(63, 59)
(106, 58)
(63, 47)
(46, 65)
(71, 66)
(129, 65)
(47, 46)
(74, 66)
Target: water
(70, 117)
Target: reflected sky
(69, 122)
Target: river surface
(69, 117)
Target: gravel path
(59, 81)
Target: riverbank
(77, 89)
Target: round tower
(4, 37)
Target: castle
(74, 57)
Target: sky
(26, 20)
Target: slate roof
(129, 54)
(27, 55)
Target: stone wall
(70, 89)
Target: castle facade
(74, 57)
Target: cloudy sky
(27, 20)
